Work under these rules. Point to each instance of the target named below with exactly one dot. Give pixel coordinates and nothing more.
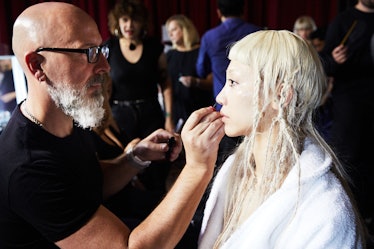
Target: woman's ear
(33, 62)
(286, 92)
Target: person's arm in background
(203, 83)
(167, 92)
(333, 53)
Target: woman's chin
(231, 133)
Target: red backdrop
(273, 14)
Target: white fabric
(323, 219)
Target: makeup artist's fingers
(201, 136)
(155, 146)
(203, 115)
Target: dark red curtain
(272, 14)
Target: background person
(213, 54)
(189, 91)
(349, 62)
(138, 67)
(304, 26)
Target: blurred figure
(324, 112)
(109, 140)
(7, 91)
(189, 91)
(138, 67)
(213, 54)
(4, 49)
(304, 26)
(134, 202)
(347, 58)
(317, 38)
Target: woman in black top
(189, 91)
(138, 68)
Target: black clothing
(186, 99)
(50, 186)
(352, 131)
(138, 80)
(134, 99)
(105, 150)
(139, 120)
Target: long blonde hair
(284, 65)
(190, 34)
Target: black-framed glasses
(93, 53)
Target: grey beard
(87, 111)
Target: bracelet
(136, 161)
(167, 114)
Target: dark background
(272, 14)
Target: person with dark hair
(347, 59)
(138, 69)
(317, 38)
(52, 185)
(213, 54)
(215, 42)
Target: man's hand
(155, 147)
(339, 54)
(201, 136)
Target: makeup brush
(348, 33)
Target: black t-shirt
(49, 186)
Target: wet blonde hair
(190, 35)
(287, 70)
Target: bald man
(51, 183)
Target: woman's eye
(231, 82)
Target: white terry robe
(323, 219)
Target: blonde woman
(189, 91)
(283, 187)
(304, 26)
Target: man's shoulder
(252, 26)
(213, 32)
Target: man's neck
(224, 18)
